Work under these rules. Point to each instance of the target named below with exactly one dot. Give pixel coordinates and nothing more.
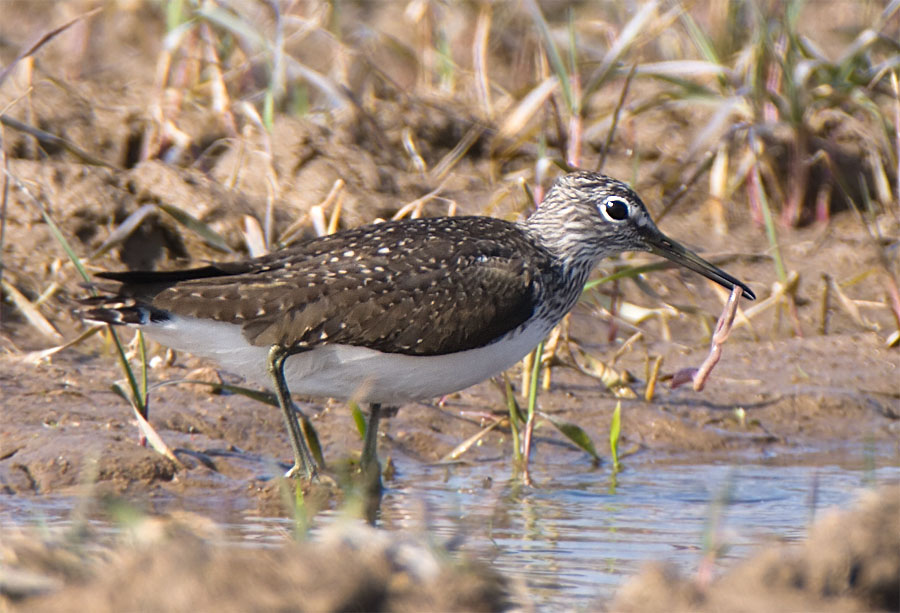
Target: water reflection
(575, 539)
(579, 535)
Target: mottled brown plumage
(421, 287)
(398, 311)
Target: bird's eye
(614, 209)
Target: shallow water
(581, 532)
(577, 537)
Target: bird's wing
(463, 289)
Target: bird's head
(587, 216)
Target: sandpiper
(397, 311)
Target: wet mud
(808, 388)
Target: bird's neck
(572, 246)
(571, 266)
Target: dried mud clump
(851, 562)
(351, 568)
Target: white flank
(344, 371)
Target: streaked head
(588, 216)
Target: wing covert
(420, 287)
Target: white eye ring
(615, 209)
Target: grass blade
(312, 439)
(359, 419)
(515, 418)
(703, 43)
(576, 435)
(35, 357)
(556, 61)
(467, 444)
(212, 238)
(153, 438)
(533, 381)
(53, 140)
(44, 39)
(76, 262)
(31, 312)
(615, 431)
(227, 388)
(124, 230)
(309, 431)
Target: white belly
(345, 372)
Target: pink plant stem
(723, 329)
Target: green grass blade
(227, 20)
(258, 395)
(137, 397)
(312, 439)
(124, 230)
(703, 43)
(302, 513)
(533, 383)
(212, 238)
(61, 239)
(629, 272)
(309, 431)
(615, 431)
(769, 223)
(625, 41)
(688, 91)
(577, 435)
(359, 419)
(175, 13)
(553, 55)
(268, 116)
(515, 418)
(79, 266)
(143, 388)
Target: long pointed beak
(660, 244)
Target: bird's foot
(369, 479)
(310, 473)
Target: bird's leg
(370, 444)
(303, 458)
(369, 476)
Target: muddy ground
(824, 384)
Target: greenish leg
(303, 458)
(370, 445)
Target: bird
(397, 311)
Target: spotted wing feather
(414, 287)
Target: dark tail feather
(119, 312)
(143, 277)
(128, 303)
